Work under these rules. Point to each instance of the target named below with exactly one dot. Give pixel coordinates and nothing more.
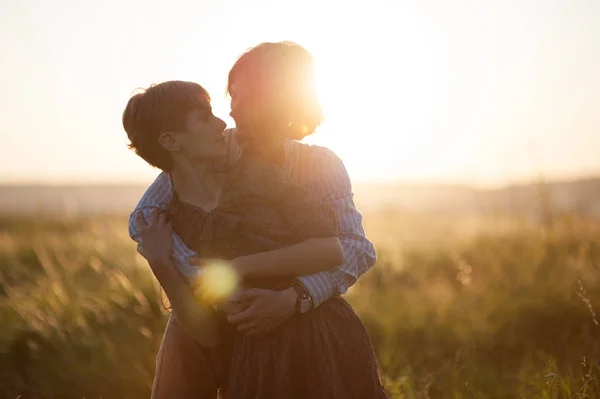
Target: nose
(233, 105)
(235, 108)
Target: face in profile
(244, 112)
(203, 139)
(251, 113)
(273, 91)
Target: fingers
(153, 216)
(233, 308)
(158, 219)
(242, 317)
(162, 220)
(194, 260)
(198, 261)
(246, 295)
(140, 223)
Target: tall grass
(493, 309)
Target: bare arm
(311, 256)
(155, 243)
(197, 319)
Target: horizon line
(58, 183)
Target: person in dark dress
(325, 352)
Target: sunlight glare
(217, 282)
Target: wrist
(160, 264)
(291, 296)
(241, 266)
(304, 301)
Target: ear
(169, 141)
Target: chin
(223, 165)
(221, 155)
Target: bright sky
(480, 92)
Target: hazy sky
(481, 92)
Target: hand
(260, 311)
(156, 238)
(232, 307)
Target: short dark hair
(284, 69)
(158, 109)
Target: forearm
(359, 256)
(311, 256)
(334, 187)
(196, 318)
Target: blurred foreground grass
(456, 308)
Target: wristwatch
(304, 302)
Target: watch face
(304, 305)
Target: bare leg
(183, 368)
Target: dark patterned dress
(325, 353)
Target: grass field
(456, 308)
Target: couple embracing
(279, 214)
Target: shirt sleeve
(158, 195)
(333, 183)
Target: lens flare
(218, 281)
(304, 129)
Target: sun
(356, 125)
(381, 115)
